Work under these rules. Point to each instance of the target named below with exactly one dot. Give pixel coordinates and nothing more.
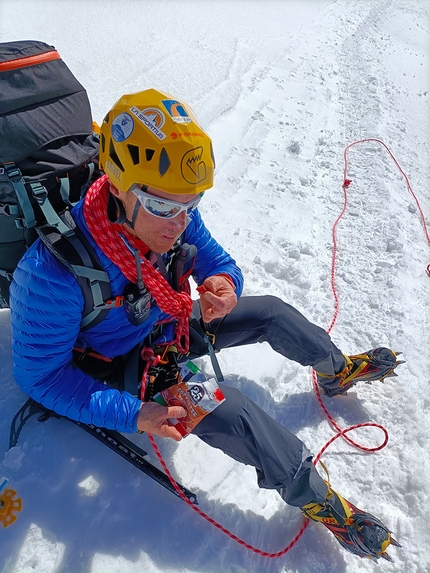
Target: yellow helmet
(150, 138)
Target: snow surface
(283, 87)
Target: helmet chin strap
(116, 212)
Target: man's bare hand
(153, 419)
(217, 297)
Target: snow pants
(239, 427)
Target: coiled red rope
(108, 236)
(340, 433)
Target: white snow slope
(282, 87)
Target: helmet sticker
(193, 168)
(114, 169)
(176, 111)
(122, 127)
(152, 118)
(175, 135)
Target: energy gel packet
(198, 396)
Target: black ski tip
(189, 494)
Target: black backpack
(48, 159)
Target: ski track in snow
(282, 88)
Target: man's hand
(153, 419)
(217, 297)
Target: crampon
(357, 531)
(376, 364)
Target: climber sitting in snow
(140, 217)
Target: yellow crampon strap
(313, 510)
(343, 374)
(322, 464)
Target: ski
(114, 440)
(134, 455)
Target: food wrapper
(198, 397)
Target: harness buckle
(115, 302)
(211, 337)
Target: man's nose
(180, 220)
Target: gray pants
(241, 429)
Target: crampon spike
(385, 555)
(394, 542)
(400, 362)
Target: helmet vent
(114, 156)
(164, 162)
(149, 154)
(134, 153)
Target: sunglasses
(160, 207)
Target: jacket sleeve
(211, 259)
(46, 307)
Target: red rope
(334, 257)
(346, 183)
(408, 183)
(213, 522)
(340, 433)
(108, 236)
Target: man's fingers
(170, 432)
(153, 419)
(214, 299)
(176, 412)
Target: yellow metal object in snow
(9, 504)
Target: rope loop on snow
(346, 183)
(340, 433)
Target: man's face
(159, 234)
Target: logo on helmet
(114, 169)
(176, 111)
(193, 168)
(152, 118)
(122, 127)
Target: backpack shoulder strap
(33, 205)
(75, 252)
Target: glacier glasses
(160, 207)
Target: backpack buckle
(6, 209)
(39, 193)
(12, 171)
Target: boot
(357, 531)
(373, 365)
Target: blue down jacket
(46, 307)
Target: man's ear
(115, 192)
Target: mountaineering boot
(375, 364)
(357, 531)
